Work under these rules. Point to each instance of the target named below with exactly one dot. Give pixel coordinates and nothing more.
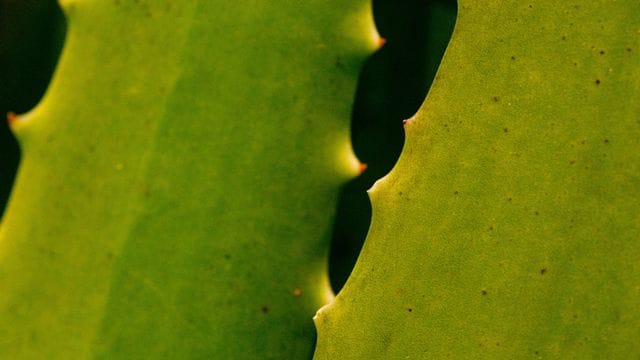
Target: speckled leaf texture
(178, 181)
(510, 227)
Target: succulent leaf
(510, 226)
(178, 180)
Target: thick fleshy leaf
(178, 181)
(510, 227)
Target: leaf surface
(179, 179)
(510, 227)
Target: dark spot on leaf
(483, 292)
(601, 52)
(514, 58)
(564, 37)
(264, 309)
(509, 199)
(536, 213)
(572, 162)
(409, 309)
(505, 130)
(628, 49)
(543, 271)
(606, 141)
(227, 256)
(597, 81)
(399, 193)
(496, 99)
(455, 192)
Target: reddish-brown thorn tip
(381, 41)
(11, 117)
(405, 121)
(362, 167)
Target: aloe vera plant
(178, 181)
(510, 226)
(161, 205)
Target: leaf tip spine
(328, 298)
(18, 123)
(11, 118)
(381, 41)
(375, 188)
(15, 122)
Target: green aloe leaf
(510, 227)
(178, 181)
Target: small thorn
(11, 117)
(405, 121)
(381, 41)
(362, 167)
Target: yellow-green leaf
(510, 227)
